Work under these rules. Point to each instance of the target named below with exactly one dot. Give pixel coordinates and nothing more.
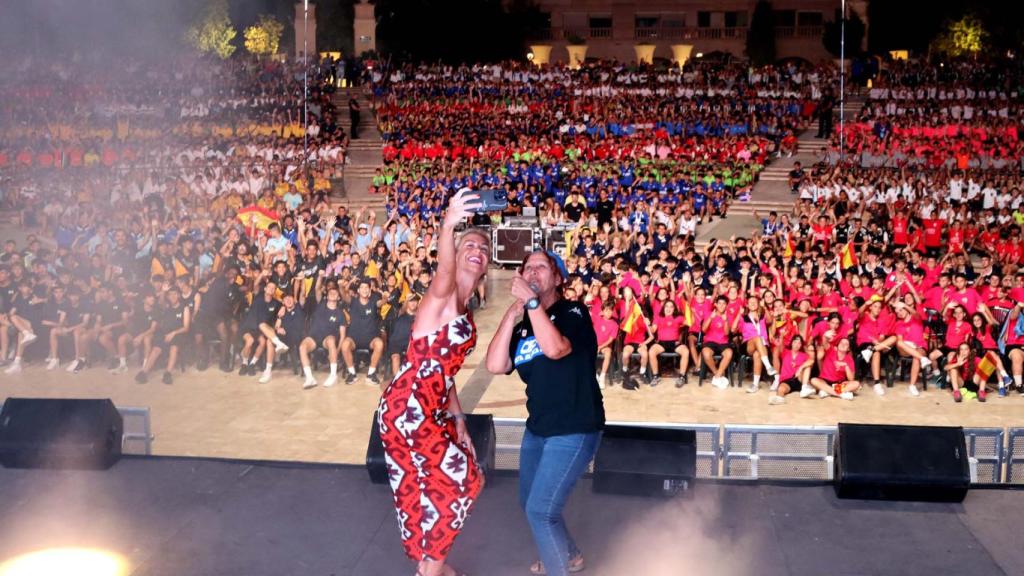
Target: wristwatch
(533, 303)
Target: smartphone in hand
(491, 200)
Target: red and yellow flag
(848, 259)
(684, 304)
(987, 366)
(632, 318)
(787, 251)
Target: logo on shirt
(576, 310)
(527, 350)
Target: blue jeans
(548, 470)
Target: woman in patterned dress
(430, 458)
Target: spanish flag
(986, 366)
(684, 304)
(787, 251)
(848, 259)
(634, 316)
(256, 218)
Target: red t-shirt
(933, 232)
(834, 369)
(899, 231)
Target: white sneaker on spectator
(52, 363)
(913, 390)
(720, 382)
(822, 394)
(14, 368)
(280, 346)
(925, 362)
(774, 400)
(867, 354)
(265, 377)
(27, 337)
(308, 383)
(879, 389)
(753, 388)
(775, 383)
(807, 391)
(72, 366)
(846, 395)
(331, 379)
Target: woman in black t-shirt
(551, 342)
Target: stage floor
(170, 516)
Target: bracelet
(459, 416)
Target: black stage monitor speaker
(481, 430)
(879, 462)
(511, 245)
(60, 433)
(642, 461)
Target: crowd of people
(564, 141)
(177, 217)
(186, 228)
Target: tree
(761, 36)
(264, 37)
(854, 34)
(964, 37)
(212, 31)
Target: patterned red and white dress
(434, 478)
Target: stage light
(529, 56)
(65, 561)
(700, 54)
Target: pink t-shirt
(669, 327)
(833, 369)
(716, 331)
(969, 299)
(911, 330)
(871, 329)
(790, 362)
(605, 329)
(957, 333)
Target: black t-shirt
(400, 332)
(562, 396)
(327, 321)
(364, 319)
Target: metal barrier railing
(138, 437)
(509, 435)
(1014, 456)
(778, 452)
(985, 449)
(790, 452)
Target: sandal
(576, 564)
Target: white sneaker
(14, 368)
(879, 389)
(72, 366)
(925, 362)
(280, 346)
(775, 384)
(753, 388)
(331, 379)
(310, 382)
(265, 377)
(27, 337)
(121, 369)
(807, 391)
(52, 363)
(867, 354)
(600, 381)
(913, 391)
(774, 400)
(846, 395)
(822, 394)
(720, 382)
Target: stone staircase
(364, 154)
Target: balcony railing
(601, 32)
